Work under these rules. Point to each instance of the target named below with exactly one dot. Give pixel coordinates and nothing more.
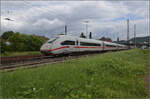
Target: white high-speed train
(65, 44)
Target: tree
(3, 46)
(15, 41)
(7, 34)
(22, 42)
(106, 39)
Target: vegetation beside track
(18, 42)
(27, 53)
(110, 75)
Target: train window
(68, 42)
(52, 40)
(110, 45)
(89, 44)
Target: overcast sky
(48, 18)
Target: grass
(21, 53)
(111, 75)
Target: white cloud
(6, 24)
(107, 18)
(47, 24)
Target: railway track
(34, 61)
(14, 59)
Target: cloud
(107, 18)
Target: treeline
(17, 42)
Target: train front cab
(46, 49)
(66, 45)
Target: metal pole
(65, 30)
(128, 32)
(86, 25)
(87, 30)
(149, 41)
(149, 34)
(135, 35)
(127, 29)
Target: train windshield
(52, 40)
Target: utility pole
(149, 40)
(127, 30)
(86, 24)
(65, 30)
(117, 39)
(128, 33)
(135, 35)
(87, 30)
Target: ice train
(65, 44)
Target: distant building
(140, 42)
(106, 39)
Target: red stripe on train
(60, 48)
(86, 47)
(74, 47)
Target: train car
(65, 44)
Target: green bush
(3, 46)
(20, 42)
(7, 34)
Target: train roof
(82, 39)
(89, 40)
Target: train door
(71, 46)
(103, 45)
(77, 46)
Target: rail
(10, 63)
